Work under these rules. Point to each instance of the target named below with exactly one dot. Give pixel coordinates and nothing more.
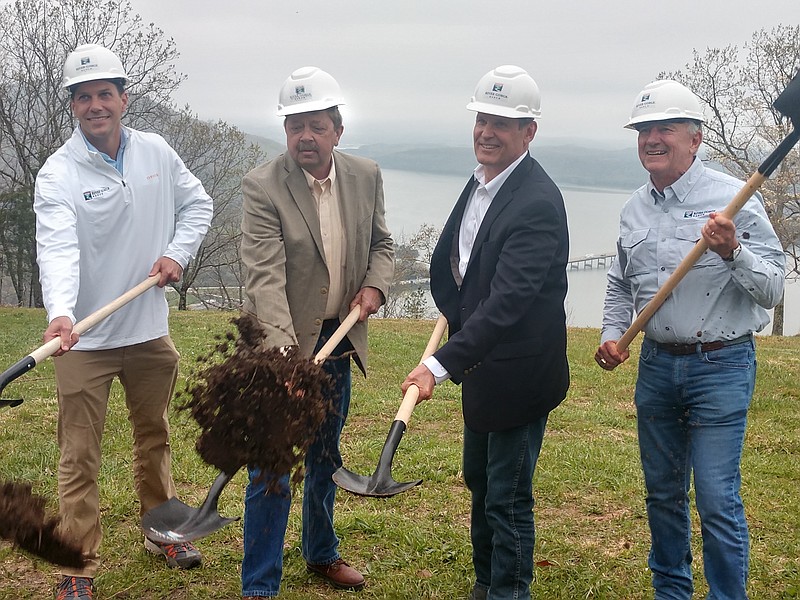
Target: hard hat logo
(308, 89)
(507, 91)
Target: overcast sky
(407, 68)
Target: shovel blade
(173, 522)
(788, 102)
(375, 486)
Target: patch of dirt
(257, 405)
(24, 522)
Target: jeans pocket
(739, 356)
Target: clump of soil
(257, 405)
(24, 523)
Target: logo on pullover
(94, 194)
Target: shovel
(381, 484)
(788, 104)
(51, 347)
(173, 522)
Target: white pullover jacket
(99, 233)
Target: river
(414, 199)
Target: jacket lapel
(347, 194)
(298, 188)
(503, 197)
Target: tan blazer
(286, 275)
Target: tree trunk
(777, 317)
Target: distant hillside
(569, 165)
(270, 147)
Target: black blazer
(508, 338)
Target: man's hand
(608, 357)
(719, 233)
(369, 299)
(423, 379)
(168, 269)
(61, 327)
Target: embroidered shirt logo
(697, 214)
(95, 194)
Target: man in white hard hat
(697, 363)
(113, 206)
(498, 273)
(315, 245)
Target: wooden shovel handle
(84, 325)
(412, 393)
(338, 335)
(741, 198)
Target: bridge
(591, 261)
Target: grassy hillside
(592, 537)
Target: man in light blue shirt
(697, 364)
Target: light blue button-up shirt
(716, 300)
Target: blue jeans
(498, 470)
(692, 413)
(266, 515)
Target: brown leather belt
(684, 349)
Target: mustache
(306, 147)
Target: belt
(684, 349)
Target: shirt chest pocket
(639, 248)
(686, 237)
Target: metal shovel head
(173, 522)
(788, 103)
(380, 484)
(10, 374)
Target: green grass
(592, 537)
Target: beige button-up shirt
(333, 236)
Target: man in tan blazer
(314, 244)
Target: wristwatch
(734, 255)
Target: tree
(219, 155)
(739, 87)
(407, 294)
(35, 117)
(35, 120)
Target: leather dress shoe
(339, 574)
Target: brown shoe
(339, 574)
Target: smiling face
(667, 149)
(499, 141)
(310, 139)
(98, 106)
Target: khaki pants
(148, 373)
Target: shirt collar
(495, 184)
(114, 162)
(310, 179)
(680, 188)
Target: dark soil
(257, 405)
(25, 524)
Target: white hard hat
(91, 62)
(308, 89)
(507, 91)
(665, 100)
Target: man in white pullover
(113, 205)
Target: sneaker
(181, 556)
(75, 587)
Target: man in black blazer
(498, 274)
